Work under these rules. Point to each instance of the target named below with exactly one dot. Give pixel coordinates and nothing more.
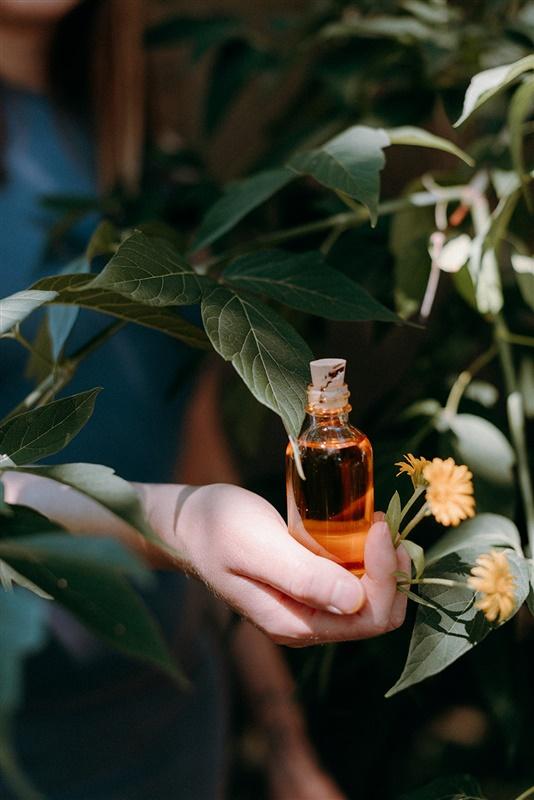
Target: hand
(238, 544)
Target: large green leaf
(476, 536)
(306, 282)
(264, 349)
(87, 576)
(149, 270)
(239, 199)
(35, 434)
(16, 307)
(488, 83)
(102, 485)
(407, 134)
(72, 290)
(450, 625)
(349, 163)
(521, 106)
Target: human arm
(238, 544)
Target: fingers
(310, 579)
(398, 612)
(379, 581)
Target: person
(229, 538)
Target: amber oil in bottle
(331, 511)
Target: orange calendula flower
(413, 466)
(493, 579)
(450, 491)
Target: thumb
(311, 579)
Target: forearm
(79, 514)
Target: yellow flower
(492, 577)
(450, 491)
(413, 467)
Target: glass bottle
(332, 509)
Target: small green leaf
(239, 199)
(150, 271)
(35, 434)
(349, 163)
(72, 290)
(102, 485)
(417, 555)
(306, 282)
(393, 515)
(421, 138)
(488, 83)
(264, 349)
(16, 307)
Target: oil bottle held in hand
(331, 510)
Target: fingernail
(382, 529)
(347, 596)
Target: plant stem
(57, 380)
(515, 338)
(423, 511)
(464, 379)
(417, 493)
(343, 220)
(516, 422)
(431, 582)
(526, 794)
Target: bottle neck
(328, 405)
(333, 418)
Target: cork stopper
(328, 373)
(327, 392)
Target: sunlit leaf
(16, 307)
(521, 106)
(264, 349)
(488, 83)
(421, 138)
(349, 163)
(417, 555)
(484, 448)
(393, 514)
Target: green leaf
(239, 199)
(349, 163)
(22, 632)
(72, 290)
(264, 349)
(18, 306)
(102, 485)
(393, 515)
(440, 637)
(35, 434)
(521, 106)
(484, 448)
(87, 576)
(524, 273)
(306, 282)
(476, 536)
(488, 83)
(150, 271)
(409, 236)
(421, 138)
(417, 555)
